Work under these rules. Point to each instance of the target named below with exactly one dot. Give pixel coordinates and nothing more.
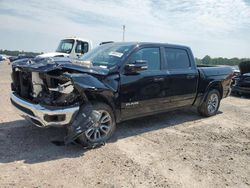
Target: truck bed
(209, 70)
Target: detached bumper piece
(82, 121)
(43, 116)
(78, 119)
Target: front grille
(22, 83)
(23, 109)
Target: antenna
(123, 33)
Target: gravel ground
(175, 149)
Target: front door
(142, 93)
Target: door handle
(190, 76)
(158, 79)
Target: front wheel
(211, 104)
(103, 127)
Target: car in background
(12, 58)
(3, 57)
(236, 73)
(241, 82)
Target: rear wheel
(102, 128)
(211, 104)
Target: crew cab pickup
(112, 83)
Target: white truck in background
(71, 47)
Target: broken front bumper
(43, 116)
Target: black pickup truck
(112, 83)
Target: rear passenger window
(151, 55)
(177, 58)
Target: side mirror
(137, 66)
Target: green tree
(206, 60)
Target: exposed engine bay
(45, 88)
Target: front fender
(94, 89)
(86, 82)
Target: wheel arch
(216, 85)
(213, 85)
(103, 98)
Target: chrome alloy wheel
(101, 126)
(213, 103)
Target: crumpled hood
(48, 64)
(53, 54)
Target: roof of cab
(77, 38)
(150, 43)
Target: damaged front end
(52, 92)
(46, 100)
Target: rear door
(183, 76)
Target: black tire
(207, 108)
(84, 140)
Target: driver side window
(151, 55)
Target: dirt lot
(176, 149)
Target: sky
(219, 28)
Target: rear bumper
(43, 116)
(245, 90)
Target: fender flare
(216, 84)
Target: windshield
(107, 55)
(65, 46)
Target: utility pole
(123, 33)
